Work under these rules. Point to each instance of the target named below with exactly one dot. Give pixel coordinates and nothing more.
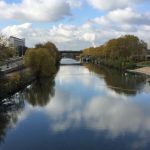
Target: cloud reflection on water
(84, 101)
(102, 110)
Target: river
(83, 108)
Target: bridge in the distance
(70, 54)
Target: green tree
(40, 61)
(52, 49)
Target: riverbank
(142, 70)
(18, 81)
(130, 67)
(15, 82)
(119, 64)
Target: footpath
(12, 65)
(142, 70)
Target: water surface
(83, 108)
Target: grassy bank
(120, 64)
(15, 82)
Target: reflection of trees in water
(3, 82)
(9, 110)
(120, 82)
(40, 92)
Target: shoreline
(142, 70)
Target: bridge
(70, 54)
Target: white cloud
(92, 33)
(128, 15)
(65, 36)
(101, 21)
(114, 4)
(75, 37)
(109, 4)
(121, 19)
(37, 10)
(96, 113)
(25, 30)
(75, 3)
(89, 36)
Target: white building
(17, 43)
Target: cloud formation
(121, 19)
(37, 10)
(95, 111)
(114, 4)
(67, 36)
(130, 16)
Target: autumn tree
(52, 49)
(119, 52)
(42, 59)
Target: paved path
(12, 65)
(143, 70)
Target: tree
(40, 62)
(52, 49)
(43, 59)
(125, 47)
(122, 52)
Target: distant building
(19, 44)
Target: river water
(83, 108)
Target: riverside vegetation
(121, 53)
(41, 62)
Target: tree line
(122, 52)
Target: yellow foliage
(40, 61)
(125, 47)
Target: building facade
(18, 44)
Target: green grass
(144, 63)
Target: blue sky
(74, 24)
